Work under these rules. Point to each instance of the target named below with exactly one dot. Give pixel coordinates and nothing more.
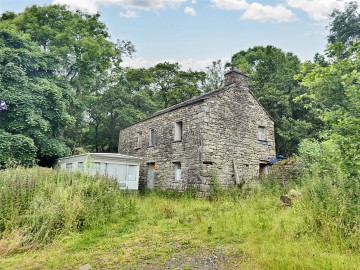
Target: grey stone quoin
(225, 135)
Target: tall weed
(332, 212)
(332, 193)
(42, 203)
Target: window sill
(176, 141)
(268, 143)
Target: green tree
(334, 94)
(79, 54)
(345, 25)
(127, 100)
(79, 41)
(37, 98)
(16, 150)
(214, 76)
(172, 85)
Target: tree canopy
(37, 98)
(345, 25)
(52, 59)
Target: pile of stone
(287, 200)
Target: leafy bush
(17, 149)
(323, 157)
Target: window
(80, 166)
(178, 131)
(69, 166)
(138, 140)
(132, 170)
(177, 171)
(96, 166)
(261, 133)
(120, 172)
(151, 137)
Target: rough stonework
(224, 134)
(285, 170)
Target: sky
(196, 32)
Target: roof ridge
(183, 104)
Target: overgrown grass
(332, 207)
(236, 229)
(39, 204)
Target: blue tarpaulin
(276, 159)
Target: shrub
(16, 149)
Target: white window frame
(131, 177)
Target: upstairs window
(178, 131)
(152, 137)
(177, 171)
(261, 133)
(138, 140)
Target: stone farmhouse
(224, 135)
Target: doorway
(150, 183)
(262, 170)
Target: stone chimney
(235, 76)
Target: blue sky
(194, 33)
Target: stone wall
(285, 170)
(220, 129)
(166, 150)
(230, 135)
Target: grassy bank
(235, 230)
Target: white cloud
(136, 62)
(92, 6)
(190, 11)
(185, 64)
(230, 4)
(257, 11)
(318, 9)
(128, 14)
(265, 13)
